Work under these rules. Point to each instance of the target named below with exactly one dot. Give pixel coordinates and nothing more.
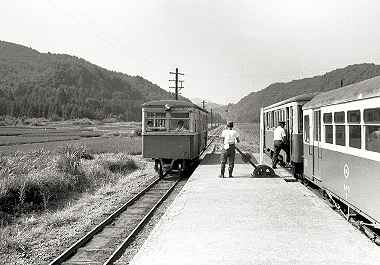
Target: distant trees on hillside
(58, 86)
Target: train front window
(155, 121)
(179, 122)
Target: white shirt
(279, 134)
(229, 137)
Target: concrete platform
(245, 220)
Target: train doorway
(317, 151)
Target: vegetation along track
(106, 242)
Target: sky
(226, 49)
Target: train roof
(365, 89)
(302, 98)
(172, 103)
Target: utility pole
(203, 104)
(211, 118)
(176, 80)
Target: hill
(34, 84)
(217, 109)
(248, 108)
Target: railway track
(107, 241)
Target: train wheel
(158, 168)
(263, 171)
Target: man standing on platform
(279, 142)
(231, 137)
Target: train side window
(354, 131)
(339, 117)
(353, 116)
(327, 118)
(329, 134)
(372, 138)
(372, 129)
(340, 135)
(317, 125)
(306, 128)
(372, 116)
(355, 136)
(300, 119)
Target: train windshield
(163, 122)
(155, 121)
(179, 122)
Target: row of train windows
(157, 121)
(273, 117)
(371, 128)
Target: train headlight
(167, 107)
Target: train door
(307, 145)
(317, 152)
(290, 139)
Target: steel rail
(70, 251)
(86, 238)
(120, 250)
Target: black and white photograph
(190, 132)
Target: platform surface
(245, 220)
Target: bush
(69, 157)
(119, 163)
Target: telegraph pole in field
(211, 118)
(176, 80)
(203, 104)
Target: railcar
(174, 133)
(290, 111)
(342, 146)
(335, 137)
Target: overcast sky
(226, 49)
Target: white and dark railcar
(342, 145)
(335, 138)
(290, 111)
(174, 133)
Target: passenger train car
(174, 133)
(341, 144)
(290, 111)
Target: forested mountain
(248, 108)
(35, 84)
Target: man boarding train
(279, 143)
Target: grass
(37, 237)
(56, 181)
(37, 180)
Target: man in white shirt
(231, 137)
(279, 142)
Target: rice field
(114, 137)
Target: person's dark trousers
(278, 145)
(230, 155)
